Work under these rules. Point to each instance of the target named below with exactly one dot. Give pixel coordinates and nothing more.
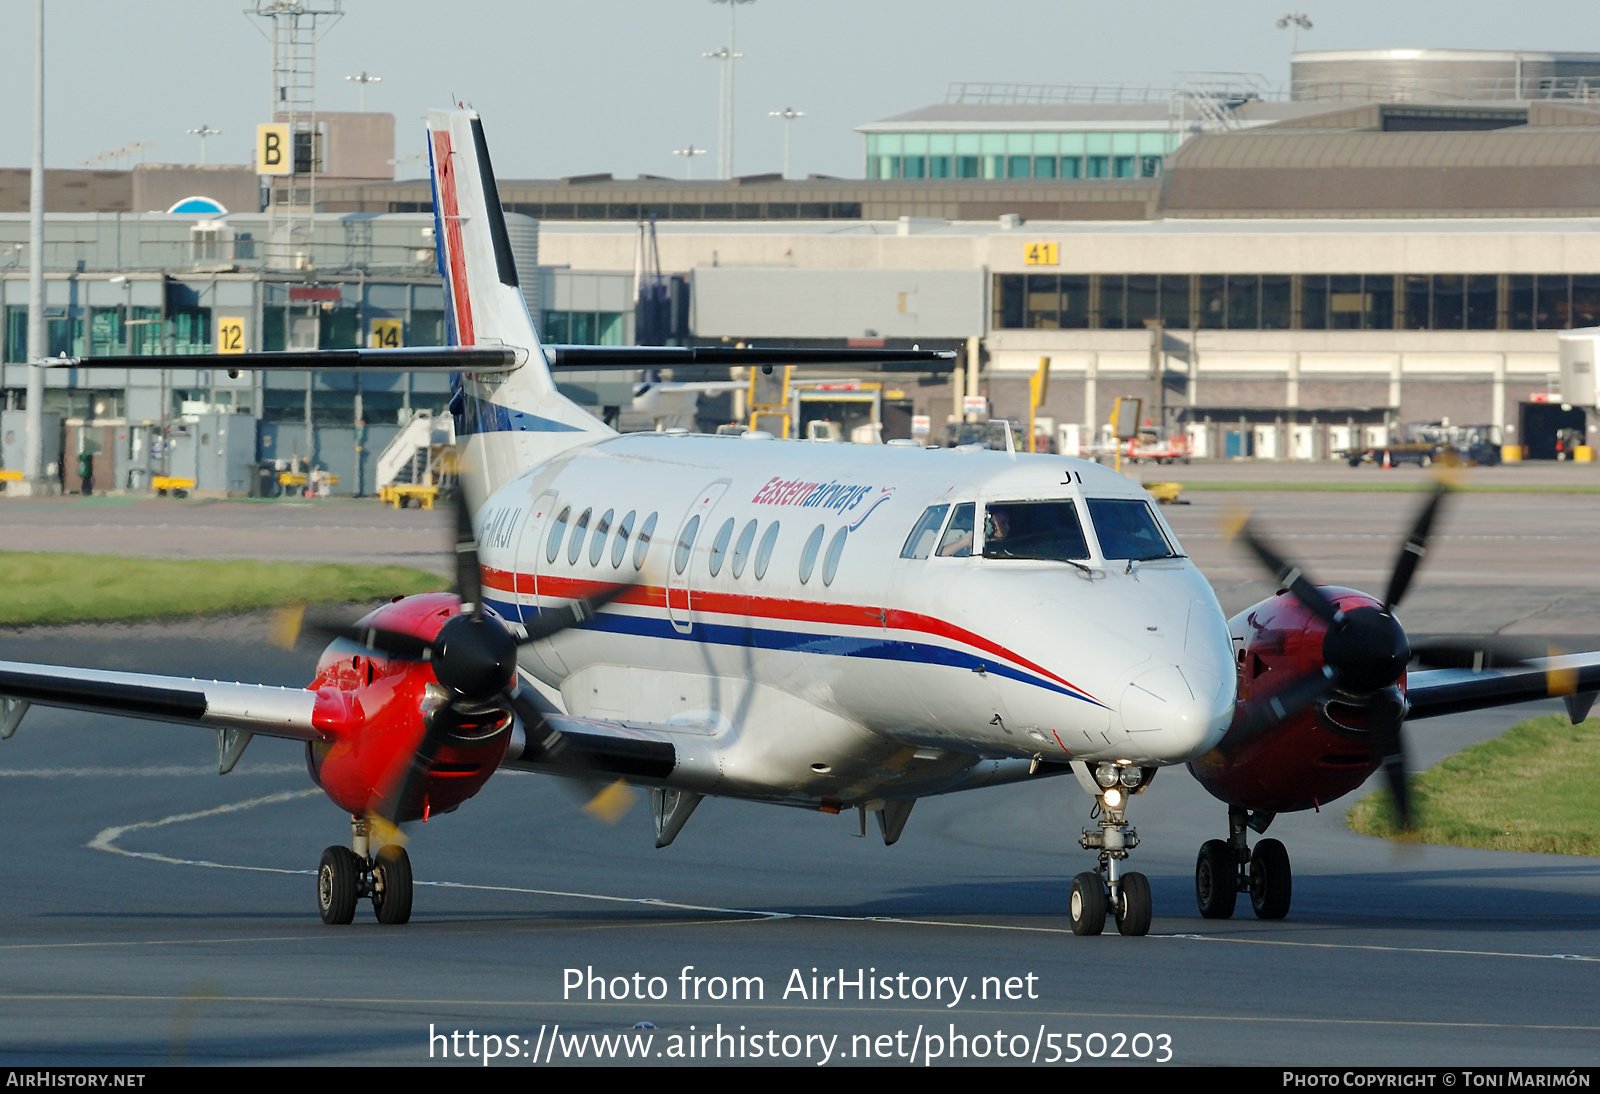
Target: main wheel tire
(1271, 882)
(1088, 904)
(338, 879)
(1216, 880)
(391, 885)
(1133, 918)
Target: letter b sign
(272, 150)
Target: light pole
(724, 109)
(33, 452)
(688, 155)
(203, 132)
(788, 114)
(727, 56)
(362, 81)
(1294, 22)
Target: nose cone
(1188, 704)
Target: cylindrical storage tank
(1441, 75)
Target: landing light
(1106, 774)
(1113, 798)
(1131, 777)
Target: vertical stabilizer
(505, 422)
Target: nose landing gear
(1126, 896)
(1225, 869)
(348, 874)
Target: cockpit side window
(919, 544)
(1048, 530)
(1128, 529)
(957, 541)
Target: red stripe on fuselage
(450, 217)
(772, 608)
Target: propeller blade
(1290, 576)
(1415, 547)
(1288, 701)
(607, 802)
(1388, 713)
(404, 784)
(1477, 654)
(286, 623)
(612, 803)
(554, 620)
(398, 644)
(469, 581)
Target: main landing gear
(348, 874)
(1125, 896)
(1229, 867)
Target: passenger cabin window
(641, 546)
(558, 528)
(1047, 530)
(808, 554)
(597, 545)
(619, 543)
(764, 552)
(741, 550)
(719, 546)
(680, 559)
(1128, 529)
(830, 561)
(919, 544)
(957, 541)
(575, 544)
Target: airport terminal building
(1398, 241)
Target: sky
(586, 86)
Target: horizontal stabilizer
(407, 359)
(635, 357)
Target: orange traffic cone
(1387, 466)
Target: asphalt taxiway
(155, 912)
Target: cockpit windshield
(1128, 529)
(1047, 530)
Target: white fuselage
(843, 672)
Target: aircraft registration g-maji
(828, 627)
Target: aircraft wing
(1575, 677)
(213, 704)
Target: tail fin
(505, 422)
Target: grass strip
(67, 588)
(1370, 487)
(1530, 789)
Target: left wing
(1572, 677)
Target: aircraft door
(680, 557)
(530, 555)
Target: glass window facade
(583, 328)
(1016, 155)
(1298, 302)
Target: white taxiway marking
(106, 840)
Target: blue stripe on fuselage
(833, 645)
(482, 416)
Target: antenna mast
(296, 28)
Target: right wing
(215, 704)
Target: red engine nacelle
(377, 710)
(1310, 759)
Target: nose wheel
(1226, 868)
(1110, 891)
(347, 874)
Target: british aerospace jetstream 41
(821, 626)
